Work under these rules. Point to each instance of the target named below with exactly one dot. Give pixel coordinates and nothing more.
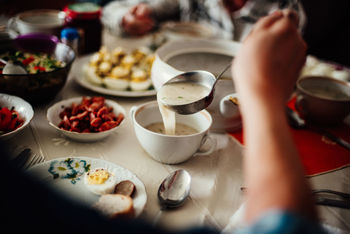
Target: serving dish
(179, 56)
(24, 109)
(71, 180)
(43, 86)
(53, 117)
(81, 80)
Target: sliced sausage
(125, 187)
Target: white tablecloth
(216, 179)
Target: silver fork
(33, 160)
(22, 158)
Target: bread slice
(115, 206)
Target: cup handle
(12, 26)
(211, 149)
(132, 111)
(300, 104)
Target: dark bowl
(323, 100)
(41, 87)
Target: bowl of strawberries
(15, 115)
(86, 118)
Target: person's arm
(143, 17)
(264, 72)
(138, 20)
(163, 10)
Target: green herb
(19, 54)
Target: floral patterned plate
(67, 176)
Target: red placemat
(318, 154)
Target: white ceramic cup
(170, 149)
(230, 112)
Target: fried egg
(118, 79)
(116, 83)
(91, 75)
(100, 181)
(118, 52)
(140, 53)
(104, 67)
(95, 59)
(128, 61)
(139, 80)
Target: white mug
(172, 149)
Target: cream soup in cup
(172, 149)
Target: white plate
(78, 74)
(70, 178)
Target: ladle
(204, 78)
(11, 68)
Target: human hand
(270, 58)
(138, 20)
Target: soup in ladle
(178, 94)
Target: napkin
(216, 182)
(236, 220)
(317, 153)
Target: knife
(344, 203)
(332, 202)
(296, 122)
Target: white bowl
(37, 21)
(24, 109)
(53, 117)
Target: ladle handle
(220, 75)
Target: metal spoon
(11, 68)
(298, 123)
(195, 77)
(174, 189)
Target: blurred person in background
(325, 23)
(326, 31)
(226, 17)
